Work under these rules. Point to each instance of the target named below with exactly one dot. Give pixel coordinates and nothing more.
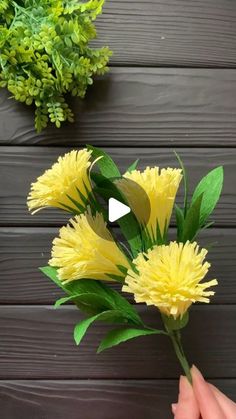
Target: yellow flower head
(62, 182)
(86, 249)
(169, 277)
(160, 186)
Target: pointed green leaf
(179, 215)
(98, 302)
(121, 303)
(192, 221)
(132, 233)
(95, 296)
(106, 165)
(81, 328)
(51, 273)
(117, 336)
(133, 166)
(185, 182)
(210, 186)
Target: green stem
(175, 338)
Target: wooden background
(172, 85)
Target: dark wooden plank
(171, 32)
(117, 399)
(23, 250)
(19, 166)
(37, 342)
(143, 106)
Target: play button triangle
(116, 210)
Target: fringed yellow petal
(86, 249)
(62, 182)
(168, 277)
(161, 186)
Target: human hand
(202, 400)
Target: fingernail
(195, 371)
(174, 408)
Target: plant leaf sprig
(194, 215)
(45, 54)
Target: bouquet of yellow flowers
(88, 257)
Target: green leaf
(51, 273)
(82, 327)
(128, 224)
(133, 166)
(131, 231)
(93, 297)
(185, 182)
(179, 215)
(117, 336)
(121, 303)
(98, 302)
(106, 165)
(192, 221)
(210, 186)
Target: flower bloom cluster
(167, 276)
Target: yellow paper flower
(68, 175)
(86, 249)
(160, 186)
(169, 277)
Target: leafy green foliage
(210, 188)
(107, 166)
(100, 302)
(45, 54)
(117, 336)
(81, 328)
(94, 297)
(194, 216)
(192, 220)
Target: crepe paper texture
(87, 257)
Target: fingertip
(174, 408)
(196, 373)
(207, 402)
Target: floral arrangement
(87, 257)
(45, 54)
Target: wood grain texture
(149, 399)
(131, 106)
(170, 33)
(19, 166)
(23, 250)
(37, 342)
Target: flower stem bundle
(89, 255)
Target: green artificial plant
(45, 53)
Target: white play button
(116, 210)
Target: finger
(207, 402)
(174, 407)
(187, 406)
(227, 405)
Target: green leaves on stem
(193, 217)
